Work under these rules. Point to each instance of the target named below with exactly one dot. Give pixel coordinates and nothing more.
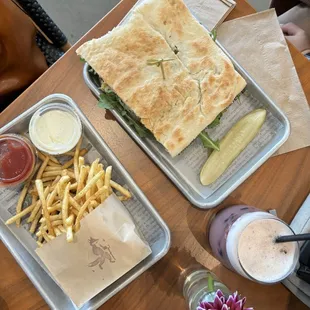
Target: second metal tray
(22, 245)
(183, 170)
(278, 127)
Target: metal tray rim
(173, 178)
(126, 175)
(199, 203)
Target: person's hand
(296, 36)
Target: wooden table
(282, 183)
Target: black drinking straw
(292, 238)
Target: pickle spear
(235, 141)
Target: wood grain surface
(282, 183)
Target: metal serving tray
(273, 134)
(22, 246)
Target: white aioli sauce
(55, 131)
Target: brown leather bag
(21, 61)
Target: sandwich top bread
(166, 68)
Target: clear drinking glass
(243, 239)
(200, 285)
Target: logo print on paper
(102, 252)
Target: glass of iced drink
(243, 239)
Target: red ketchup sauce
(17, 160)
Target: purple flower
(233, 302)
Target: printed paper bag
(106, 247)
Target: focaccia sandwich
(167, 70)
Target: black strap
(46, 24)
(51, 52)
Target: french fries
(74, 203)
(57, 231)
(82, 177)
(62, 185)
(19, 215)
(121, 189)
(63, 194)
(43, 166)
(73, 187)
(39, 186)
(21, 200)
(91, 173)
(69, 233)
(55, 182)
(65, 204)
(52, 173)
(69, 163)
(35, 223)
(37, 208)
(61, 228)
(52, 162)
(47, 179)
(85, 205)
(89, 185)
(76, 159)
(107, 178)
(100, 182)
(71, 153)
(54, 207)
(51, 168)
(81, 162)
(51, 197)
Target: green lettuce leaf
(216, 121)
(207, 142)
(110, 101)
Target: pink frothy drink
(243, 239)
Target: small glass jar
(55, 128)
(200, 285)
(17, 159)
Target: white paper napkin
(210, 13)
(258, 44)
